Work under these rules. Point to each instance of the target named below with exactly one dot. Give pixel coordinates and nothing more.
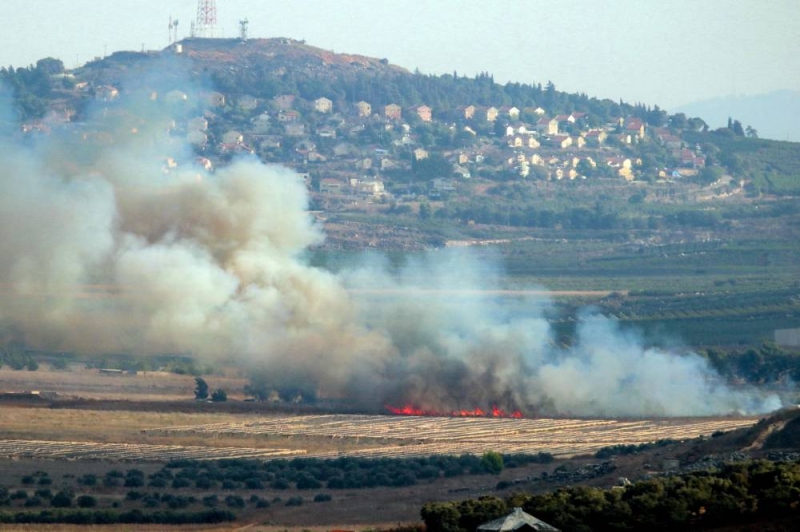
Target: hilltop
(571, 191)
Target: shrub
(135, 482)
(87, 480)
(322, 497)
(134, 495)
(28, 479)
(44, 493)
(211, 501)
(33, 501)
(219, 396)
(45, 481)
(234, 501)
(279, 484)
(86, 501)
(254, 484)
(307, 482)
(157, 482)
(492, 462)
(180, 483)
(203, 483)
(294, 501)
(62, 499)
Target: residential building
(420, 153)
(547, 126)
(465, 112)
(106, 93)
(363, 109)
(510, 112)
(232, 137)
(393, 112)
(487, 114)
(215, 99)
(288, 116)
(331, 186)
(323, 105)
(197, 124)
(595, 138)
(247, 103)
(423, 112)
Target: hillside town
(387, 151)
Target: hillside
(691, 226)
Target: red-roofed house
(596, 137)
(635, 126)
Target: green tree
(219, 396)
(87, 501)
(201, 389)
(424, 211)
(492, 462)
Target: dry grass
(90, 432)
(91, 384)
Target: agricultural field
(410, 436)
(42, 433)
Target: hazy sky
(668, 52)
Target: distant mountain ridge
(775, 114)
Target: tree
(492, 462)
(219, 396)
(201, 390)
(751, 132)
(424, 211)
(87, 501)
(50, 66)
(62, 499)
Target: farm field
(78, 381)
(42, 433)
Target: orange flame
(410, 410)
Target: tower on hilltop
(205, 25)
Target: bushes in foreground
(110, 517)
(342, 473)
(744, 492)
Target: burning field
(214, 263)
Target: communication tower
(173, 30)
(205, 26)
(243, 29)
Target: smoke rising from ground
(103, 250)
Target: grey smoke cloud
(103, 251)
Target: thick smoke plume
(102, 249)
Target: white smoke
(102, 251)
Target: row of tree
(757, 492)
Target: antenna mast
(173, 30)
(206, 24)
(243, 29)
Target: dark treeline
(112, 517)
(752, 492)
(32, 86)
(340, 473)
